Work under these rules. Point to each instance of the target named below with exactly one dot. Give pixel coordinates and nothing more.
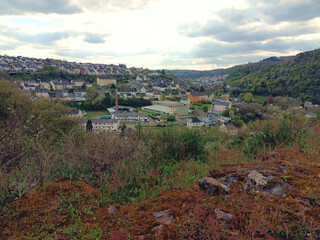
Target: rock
(281, 170)
(269, 178)
(222, 215)
(163, 217)
(112, 210)
(158, 229)
(276, 191)
(212, 185)
(258, 178)
(305, 200)
(229, 179)
(319, 175)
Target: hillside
(297, 76)
(194, 74)
(62, 182)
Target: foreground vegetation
(58, 181)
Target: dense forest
(295, 77)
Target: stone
(281, 170)
(258, 178)
(304, 200)
(276, 191)
(158, 229)
(212, 185)
(319, 175)
(112, 210)
(222, 215)
(229, 179)
(163, 217)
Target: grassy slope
(73, 210)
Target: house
(104, 124)
(200, 96)
(42, 93)
(211, 120)
(218, 106)
(127, 92)
(45, 85)
(106, 81)
(78, 83)
(308, 104)
(77, 113)
(296, 107)
(88, 84)
(194, 122)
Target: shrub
(176, 144)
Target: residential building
(77, 113)
(105, 81)
(218, 106)
(194, 122)
(42, 93)
(200, 96)
(131, 116)
(104, 124)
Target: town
(164, 100)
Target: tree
(149, 85)
(248, 97)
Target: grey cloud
(115, 4)
(228, 33)
(8, 46)
(50, 38)
(303, 10)
(230, 27)
(214, 49)
(224, 55)
(18, 7)
(217, 51)
(41, 38)
(93, 38)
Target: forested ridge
(296, 76)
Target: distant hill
(194, 74)
(297, 76)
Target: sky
(159, 34)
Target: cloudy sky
(157, 34)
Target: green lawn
(95, 114)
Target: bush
(271, 136)
(176, 144)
